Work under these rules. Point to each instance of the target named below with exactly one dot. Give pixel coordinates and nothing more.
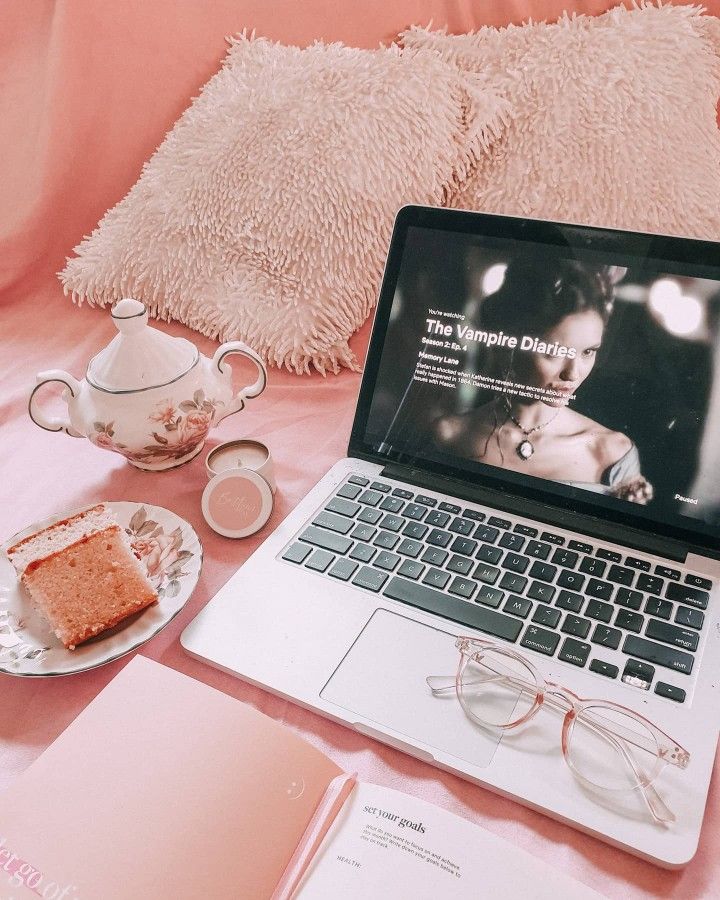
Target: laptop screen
(559, 360)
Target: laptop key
(297, 553)
(471, 614)
(515, 563)
(343, 507)
(464, 546)
(451, 508)
(320, 560)
(607, 637)
(499, 523)
(362, 552)
(460, 565)
(403, 494)
(667, 572)
(671, 634)
(591, 566)
(358, 479)
(546, 615)
(474, 515)
(343, 569)
(370, 516)
(660, 654)
(682, 593)
(670, 691)
(370, 497)
(572, 580)
(565, 558)
(512, 582)
(663, 609)
(489, 554)
(409, 547)
(370, 579)
(610, 555)
(486, 533)
(387, 540)
(414, 511)
(436, 578)
(526, 530)
(576, 626)
(684, 615)
(630, 621)
(437, 517)
(411, 569)
(551, 538)
(543, 571)
(518, 606)
(538, 550)
(392, 522)
(425, 500)
(485, 573)
(540, 639)
(512, 541)
(341, 524)
(650, 584)
(575, 652)
(435, 556)
(596, 609)
(392, 504)
(698, 582)
(462, 526)
(638, 674)
(380, 486)
(634, 563)
(328, 540)
(603, 668)
(386, 560)
(363, 532)
(569, 600)
(628, 598)
(621, 575)
(580, 547)
(349, 491)
(415, 530)
(603, 590)
(490, 596)
(463, 587)
(542, 592)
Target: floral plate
(171, 553)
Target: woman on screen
(557, 312)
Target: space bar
(461, 611)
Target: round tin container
(237, 502)
(242, 453)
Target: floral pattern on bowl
(175, 430)
(169, 549)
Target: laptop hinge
(551, 515)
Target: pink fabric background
(86, 93)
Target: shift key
(658, 654)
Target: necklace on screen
(525, 449)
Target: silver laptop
(534, 467)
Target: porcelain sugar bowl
(149, 396)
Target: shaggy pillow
(615, 119)
(266, 212)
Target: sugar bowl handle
(224, 368)
(71, 392)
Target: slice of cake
(82, 575)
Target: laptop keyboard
(560, 597)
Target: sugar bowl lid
(139, 357)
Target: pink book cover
(162, 787)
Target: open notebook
(164, 787)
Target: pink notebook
(166, 788)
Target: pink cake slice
(82, 575)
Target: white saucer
(171, 552)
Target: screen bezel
(684, 252)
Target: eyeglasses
(606, 745)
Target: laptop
(535, 462)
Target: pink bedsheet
(84, 98)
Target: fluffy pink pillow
(266, 212)
(614, 118)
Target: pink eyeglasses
(606, 745)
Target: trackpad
(382, 679)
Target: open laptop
(535, 460)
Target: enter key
(671, 634)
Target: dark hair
(535, 296)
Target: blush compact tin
(237, 502)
